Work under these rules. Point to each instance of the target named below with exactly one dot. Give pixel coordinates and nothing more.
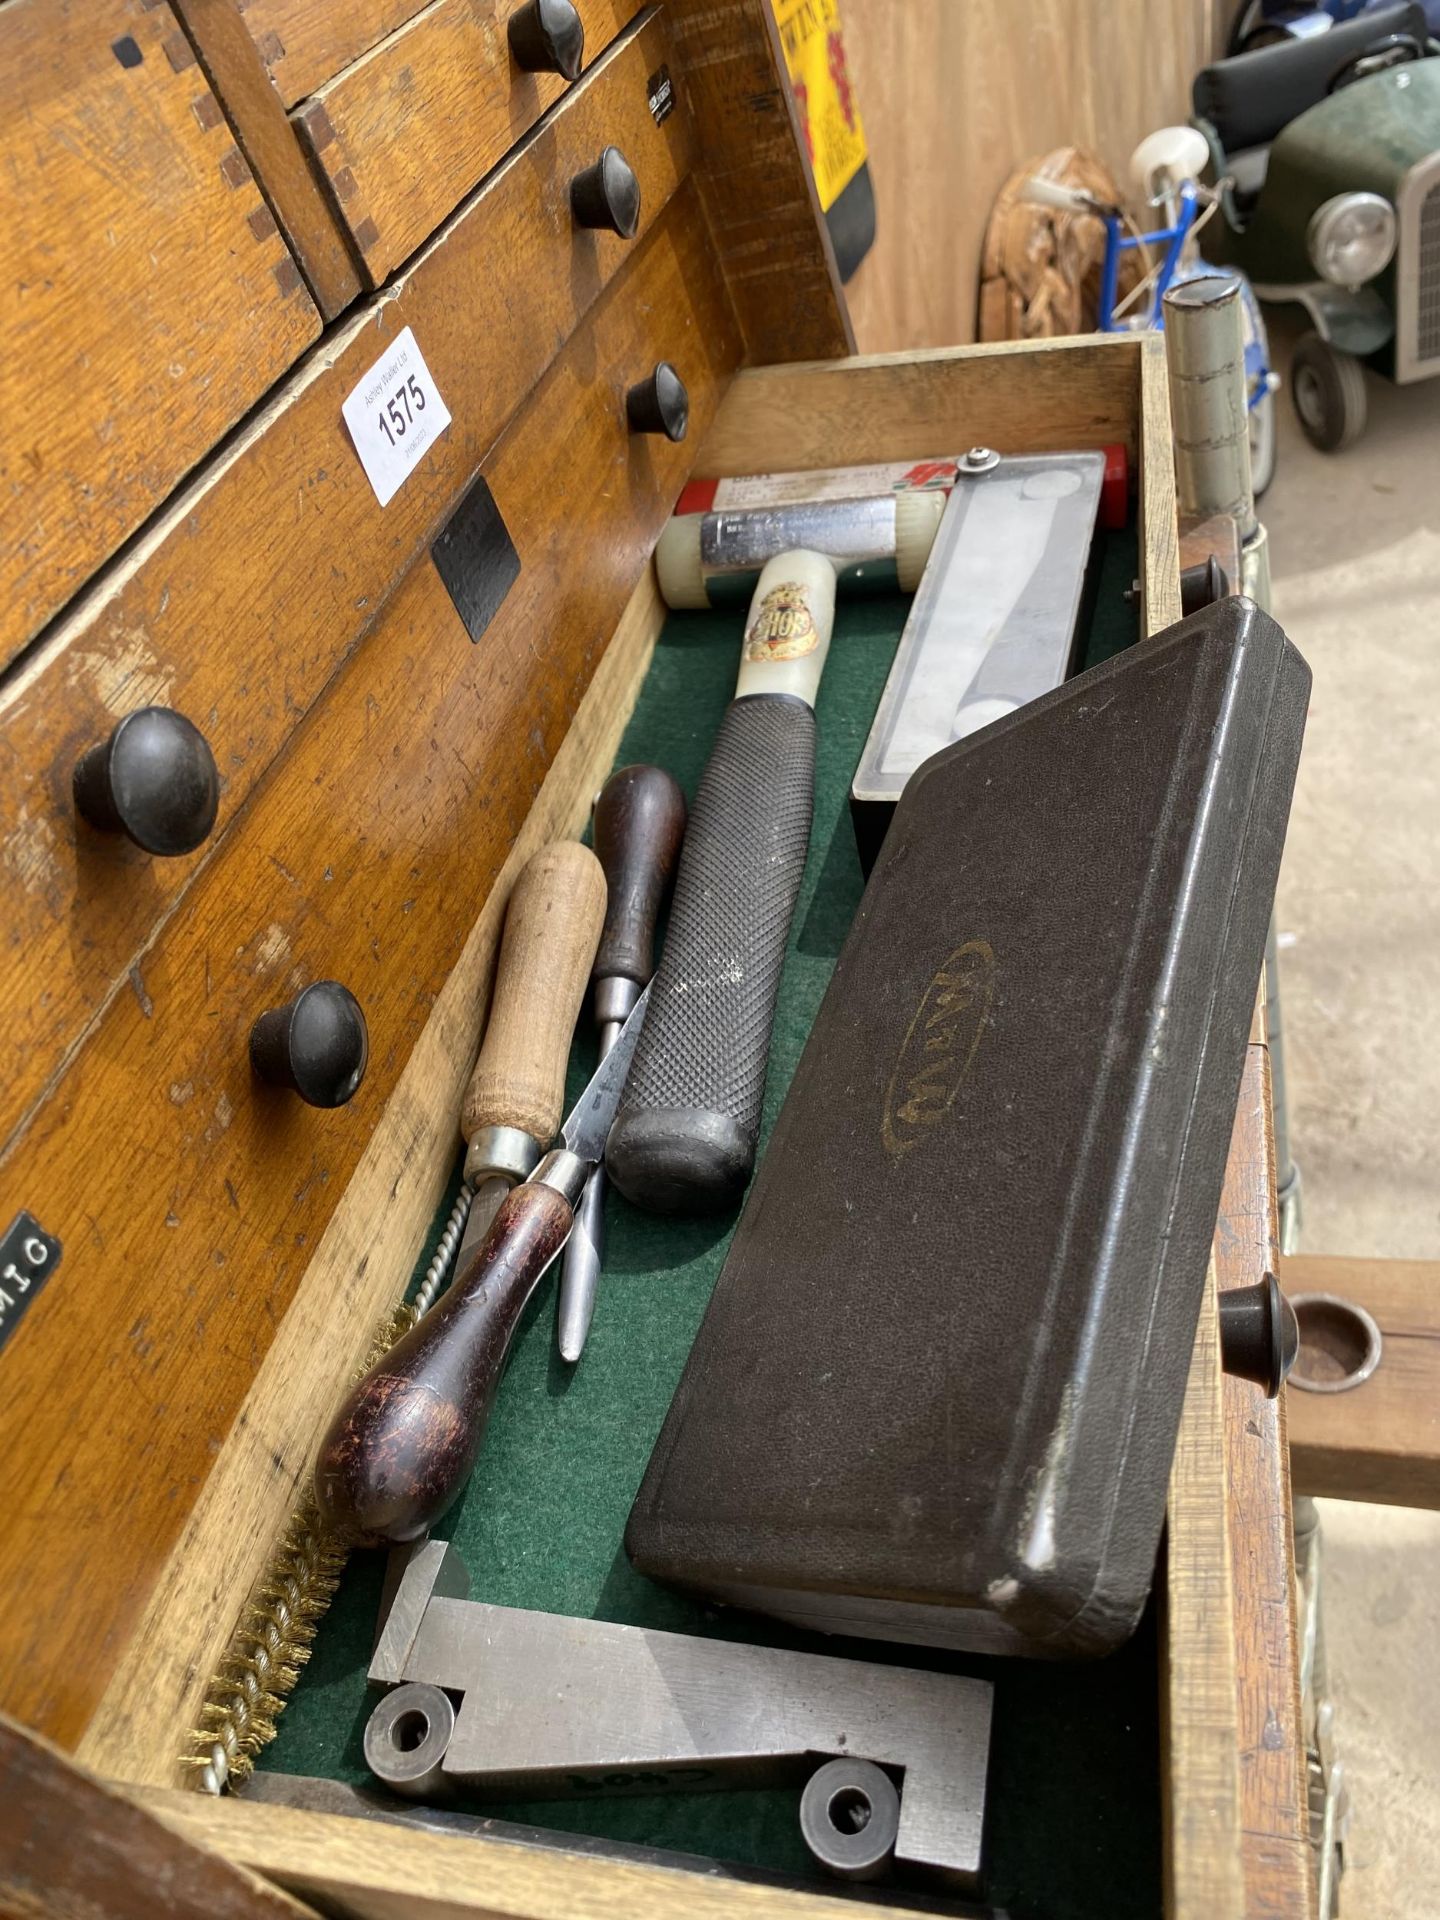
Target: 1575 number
(401, 410)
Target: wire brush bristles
(271, 1643)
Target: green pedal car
(1329, 150)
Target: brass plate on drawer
(407, 131)
(247, 594)
(188, 1199)
(148, 298)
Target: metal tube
(1205, 345)
(1206, 350)
(1287, 1174)
(1110, 272)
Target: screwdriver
(516, 1094)
(639, 824)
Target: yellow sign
(820, 81)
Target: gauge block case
(936, 1393)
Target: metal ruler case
(936, 1393)
(994, 620)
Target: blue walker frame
(1118, 241)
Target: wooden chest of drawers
(377, 757)
(149, 299)
(370, 122)
(239, 614)
(387, 759)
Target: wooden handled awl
(401, 1447)
(639, 824)
(516, 1094)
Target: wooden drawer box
(149, 300)
(238, 613)
(370, 120)
(138, 1715)
(124, 1686)
(387, 770)
(403, 135)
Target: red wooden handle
(403, 1444)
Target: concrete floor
(1355, 551)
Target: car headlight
(1352, 237)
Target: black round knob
(154, 780)
(659, 404)
(548, 36)
(1203, 584)
(318, 1044)
(1259, 1334)
(608, 195)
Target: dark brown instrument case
(1012, 1117)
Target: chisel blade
(588, 1123)
(483, 1209)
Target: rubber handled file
(685, 1138)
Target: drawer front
(186, 1198)
(304, 43)
(238, 607)
(148, 298)
(220, 32)
(404, 134)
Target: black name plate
(28, 1257)
(476, 559)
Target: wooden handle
(552, 926)
(639, 824)
(404, 1442)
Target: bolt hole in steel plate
(849, 1810)
(1340, 1344)
(850, 1818)
(407, 1735)
(409, 1731)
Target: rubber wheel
(1263, 37)
(1262, 414)
(1246, 14)
(1262, 444)
(1328, 388)
(1249, 30)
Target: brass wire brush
(271, 1643)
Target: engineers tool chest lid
(936, 1393)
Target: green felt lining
(1074, 1820)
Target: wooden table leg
(1379, 1440)
(1237, 1834)
(1204, 1878)
(1278, 1860)
(72, 1844)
